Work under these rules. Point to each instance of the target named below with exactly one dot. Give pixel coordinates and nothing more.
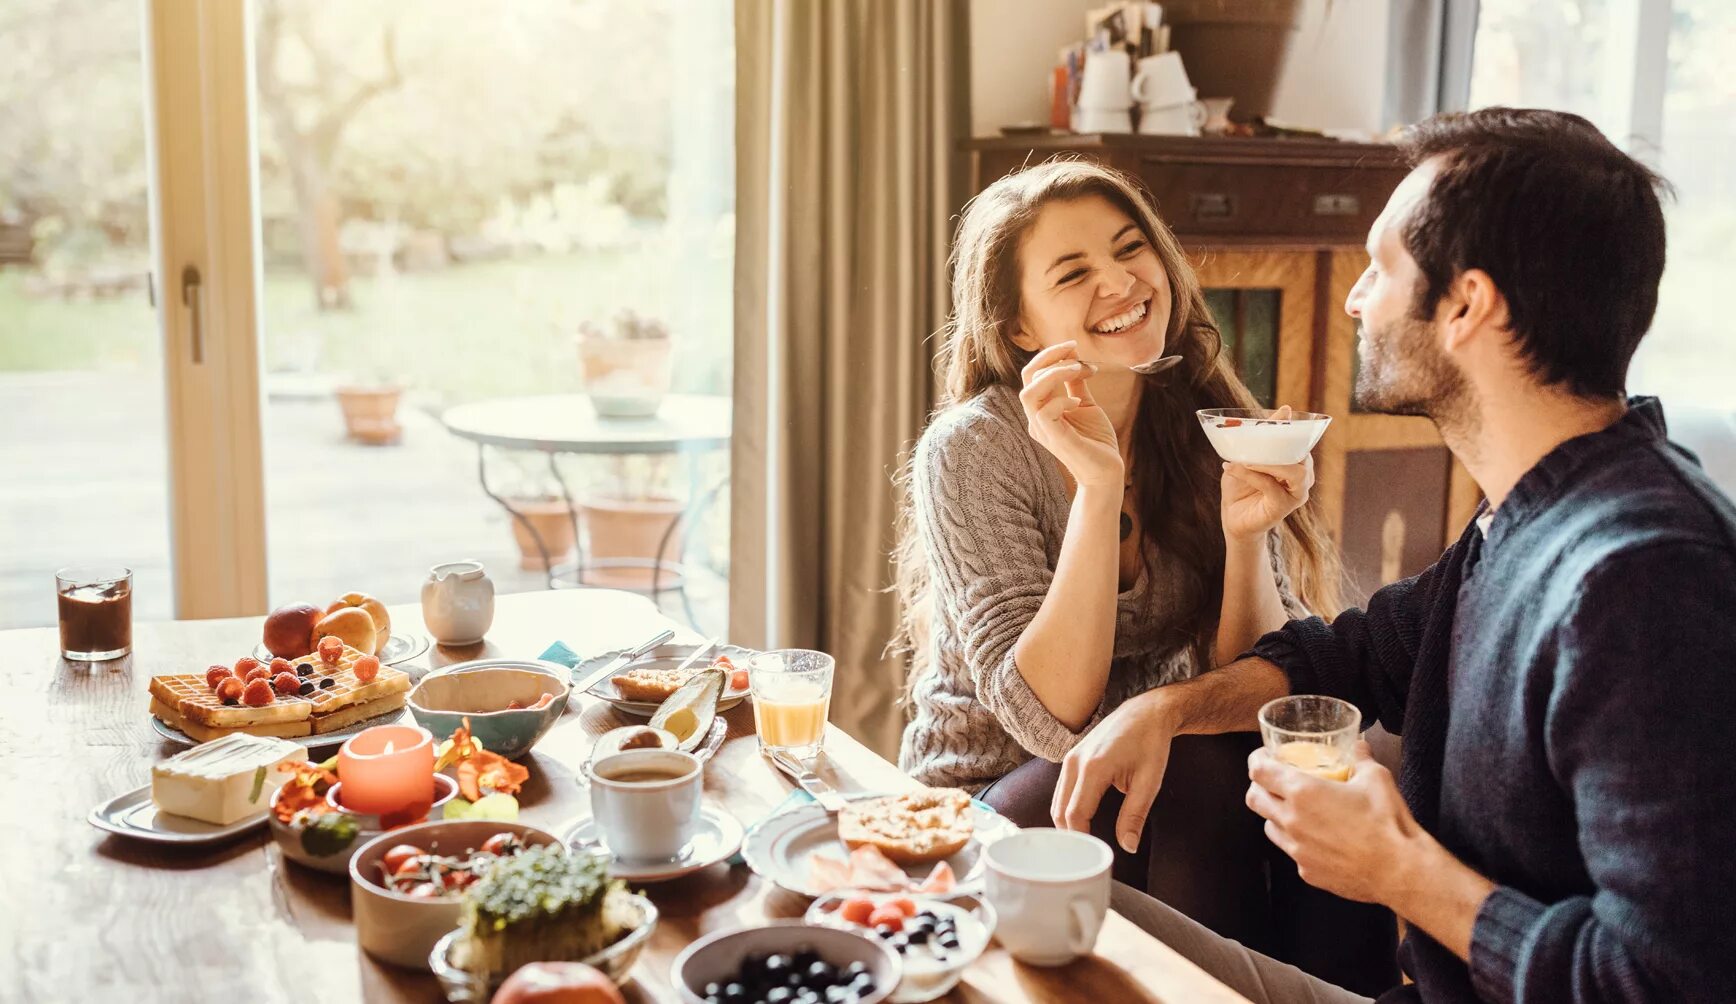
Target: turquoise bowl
(482, 692)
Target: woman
(1072, 540)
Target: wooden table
(104, 918)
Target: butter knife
(810, 782)
(626, 658)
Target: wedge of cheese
(225, 779)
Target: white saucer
(716, 840)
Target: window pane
(1689, 358)
(1540, 55)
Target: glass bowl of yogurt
(936, 937)
(1262, 435)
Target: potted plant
(627, 366)
(633, 515)
(531, 492)
(370, 407)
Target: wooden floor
(82, 479)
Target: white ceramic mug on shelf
(1105, 82)
(1101, 120)
(1184, 119)
(1161, 81)
(646, 802)
(1050, 889)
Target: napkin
(560, 653)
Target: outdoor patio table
(689, 425)
(97, 917)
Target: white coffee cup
(644, 818)
(1173, 120)
(1105, 83)
(1161, 80)
(1101, 120)
(1050, 889)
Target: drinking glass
(792, 691)
(1312, 733)
(96, 612)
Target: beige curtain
(848, 175)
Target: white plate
(779, 847)
(716, 840)
(315, 742)
(662, 657)
(133, 814)
(399, 648)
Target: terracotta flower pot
(371, 414)
(553, 525)
(630, 528)
(626, 377)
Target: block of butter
(225, 779)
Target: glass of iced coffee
(96, 612)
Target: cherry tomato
(456, 879)
(417, 862)
(738, 680)
(394, 859)
(502, 844)
(857, 911)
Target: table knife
(811, 782)
(626, 658)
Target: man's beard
(1403, 372)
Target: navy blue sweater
(1566, 690)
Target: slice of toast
(918, 827)
(652, 686)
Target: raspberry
(367, 667)
(229, 691)
(258, 672)
(281, 666)
(244, 665)
(331, 649)
(257, 694)
(286, 683)
(216, 675)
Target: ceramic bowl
(717, 958)
(481, 691)
(927, 974)
(464, 987)
(329, 850)
(401, 929)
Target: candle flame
(388, 749)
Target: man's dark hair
(1568, 226)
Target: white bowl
(400, 929)
(717, 958)
(1253, 436)
(336, 859)
(925, 977)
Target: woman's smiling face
(1088, 274)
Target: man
(1564, 821)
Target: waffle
(185, 702)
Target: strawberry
(903, 904)
(1230, 423)
(229, 691)
(857, 911)
(216, 675)
(887, 917)
(367, 667)
(286, 683)
(257, 694)
(331, 649)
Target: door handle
(190, 286)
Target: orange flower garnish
(305, 791)
(478, 769)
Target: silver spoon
(1157, 365)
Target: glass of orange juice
(1312, 733)
(792, 691)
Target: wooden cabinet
(1276, 229)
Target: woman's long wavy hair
(1175, 472)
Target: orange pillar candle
(387, 770)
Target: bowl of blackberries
(787, 962)
(936, 938)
